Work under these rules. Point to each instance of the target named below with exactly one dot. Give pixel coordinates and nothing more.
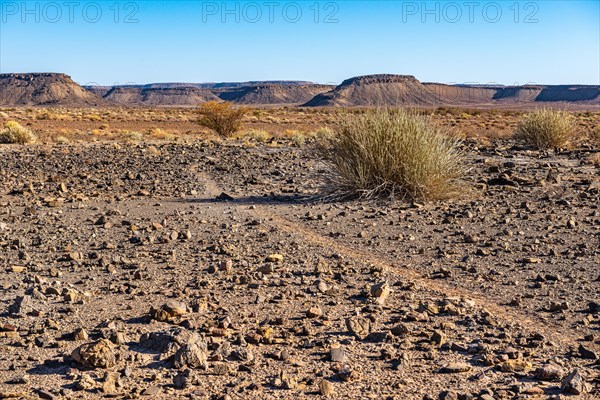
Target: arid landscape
(145, 256)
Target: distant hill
(47, 89)
(53, 89)
(272, 93)
(205, 85)
(174, 96)
(398, 90)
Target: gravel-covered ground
(209, 271)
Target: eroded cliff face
(47, 89)
(178, 96)
(44, 89)
(398, 90)
(273, 94)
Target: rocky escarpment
(49, 89)
(44, 89)
(374, 90)
(273, 94)
(398, 90)
(178, 96)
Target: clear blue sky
(545, 42)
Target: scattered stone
(575, 384)
(193, 355)
(275, 258)
(586, 353)
(171, 311)
(380, 292)
(359, 326)
(182, 380)
(151, 391)
(348, 374)
(225, 197)
(326, 388)
(400, 330)
(515, 366)
(455, 368)
(314, 312)
(85, 382)
(98, 354)
(549, 372)
(80, 334)
(286, 380)
(109, 386)
(439, 338)
(46, 395)
(338, 354)
(22, 306)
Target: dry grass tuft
(595, 135)
(387, 153)
(594, 159)
(546, 129)
(223, 118)
(14, 133)
(258, 135)
(61, 139)
(160, 134)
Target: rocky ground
(209, 271)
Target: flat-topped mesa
(379, 78)
(272, 93)
(32, 75)
(44, 89)
(173, 96)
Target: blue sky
(507, 42)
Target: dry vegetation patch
(388, 153)
(546, 129)
(14, 133)
(223, 118)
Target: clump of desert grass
(14, 133)
(595, 135)
(546, 129)
(160, 134)
(594, 159)
(300, 138)
(258, 135)
(61, 139)
(387, 153)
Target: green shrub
(545, 129)
(386, 153)
(14, 133)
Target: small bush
(13, 132)
(324, 132)
(594, 159)
(160, 134)
(222, 118)
(61, 139)
(387, 153)
(595, 135)
(545, 129)
(258, 135)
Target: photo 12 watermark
(52, 12)
(253, 12)
(470, 11)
